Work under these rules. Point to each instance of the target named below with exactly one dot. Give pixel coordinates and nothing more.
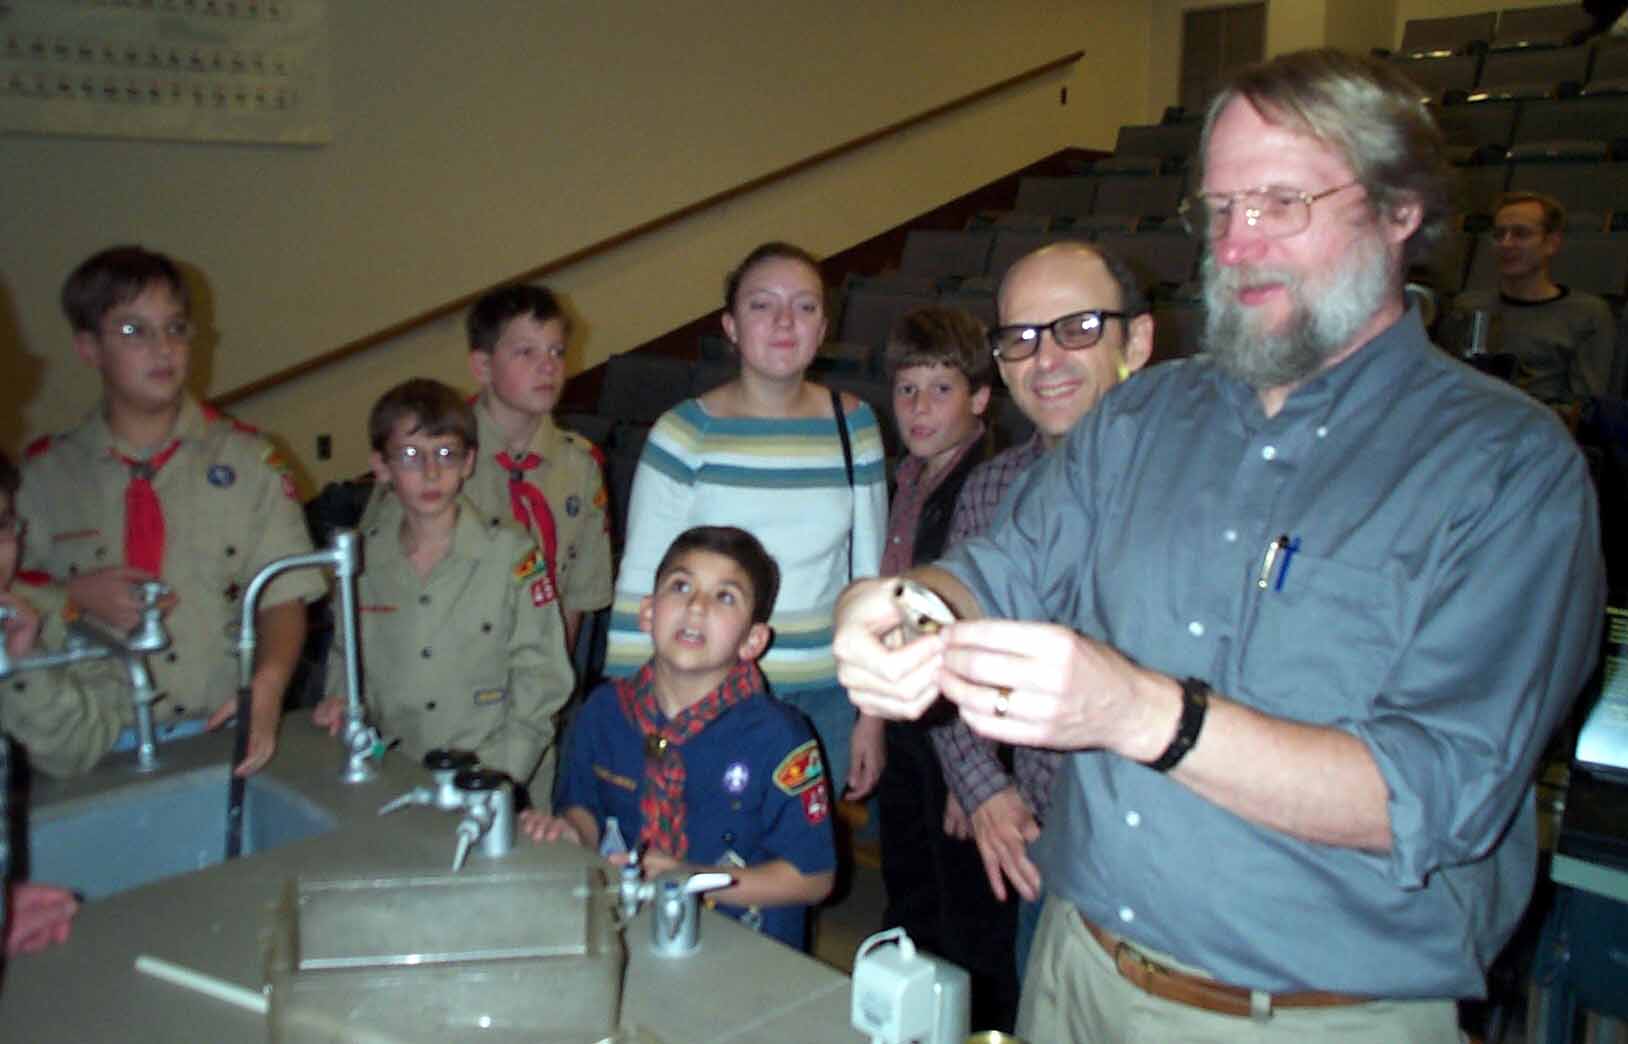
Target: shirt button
(1269, 452)
(1322, 431)
(169, 657)
(423, 599)
(425, 652)
(1126, 914)
(485, 628)
(1230, 536)
(1133, 818)
(430, 705)
(1195, 629)
(230, 551)
(101, 552)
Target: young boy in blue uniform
(693, 758)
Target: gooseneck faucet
(88, 640)
(344, 557)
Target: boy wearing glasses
(65, 719)
(1562, 340)
(153, 484)
(462, 646)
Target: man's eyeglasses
(138, 333)
(1273, 211)
(1514, 233)
(411, 458)
(1074, 331)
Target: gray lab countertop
(738, 987)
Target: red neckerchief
(661, 804)
(143, 514)
(531, 508)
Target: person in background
(1101, 332)
(1562, 340)
(794, 464)
(153, 485)
(462, 646)
(1303, 611)
(937, 363)
(737, 785)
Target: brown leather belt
(1196, 992)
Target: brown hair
(437, 409)
(938, 334)
(739, 547)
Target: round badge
(222, 475)
(736, 777)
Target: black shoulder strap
(847, 464)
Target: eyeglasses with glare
(411, 458)
(1073, 332)
(1273, 211)
(138, 333)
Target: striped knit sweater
(783, 481)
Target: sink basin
(502, 957)
(153, 829)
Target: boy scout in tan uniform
(468, 658)
(151, 484)
(229, 508)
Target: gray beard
(1324, 321)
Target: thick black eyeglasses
(1073, 332)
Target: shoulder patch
(800, 770)
(37, 448)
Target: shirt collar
(912, 467)
(545, 442)
(190, 426)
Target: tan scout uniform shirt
(464, 658)
(574, 483)
(229, 508)
(68, 718)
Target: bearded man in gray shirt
(1304, 610)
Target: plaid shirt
(972, 768)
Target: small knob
(443, 760)
(478, 780)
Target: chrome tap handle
(149, 635)
(415, 796)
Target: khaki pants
(1074, 995)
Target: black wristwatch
(1195, 703)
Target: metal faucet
(488, 815)
(88, 640)
(344, 557)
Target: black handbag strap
(847, 463)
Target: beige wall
(468, 149)
(1360, 25)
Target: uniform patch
(614, 779)
(37, 448)
(573, 505)
(800, 770)
(532, 565)
(222, 475)
(601, 498)
(487, 697)
(34, 577)
(816, 805)
(542, 592)
(736, 776)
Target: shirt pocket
(1322, 645)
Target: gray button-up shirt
(1443, 606)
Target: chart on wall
(169, 70)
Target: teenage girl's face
(778, 318)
